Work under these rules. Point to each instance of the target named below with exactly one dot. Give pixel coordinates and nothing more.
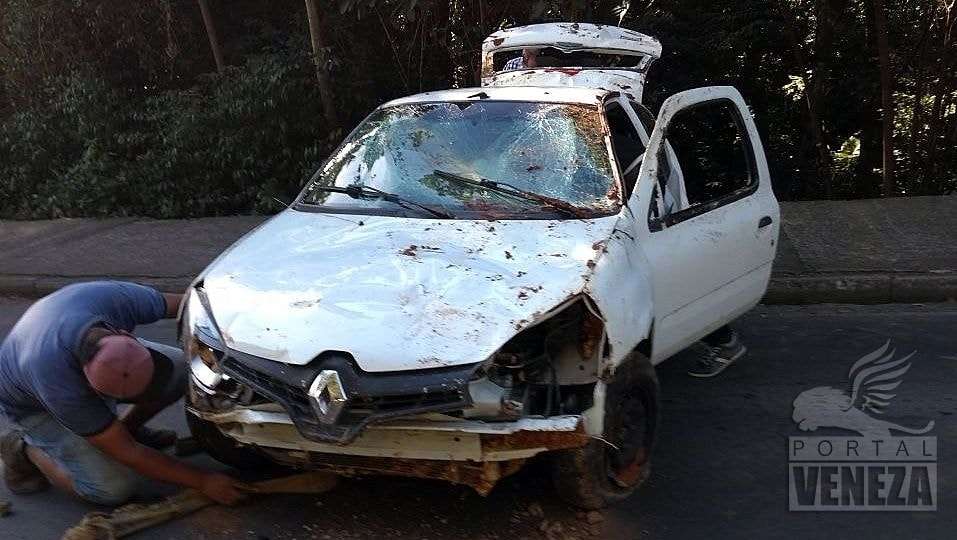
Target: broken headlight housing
(549, 368)
(201, 341)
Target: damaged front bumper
(437, 446)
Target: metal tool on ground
(131, 518)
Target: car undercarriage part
(131, 518)
(479, 475)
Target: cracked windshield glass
(435, 154)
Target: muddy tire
(222, 448)
(598, 474)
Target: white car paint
(692, 300)
(396, 293)
(405, 294)
(564, 94)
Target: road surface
(720, 467)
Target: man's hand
(117, 443)
(220, 488)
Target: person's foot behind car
(716, 358)
(19, 473)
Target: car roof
(544, 94)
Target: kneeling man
(64, 367)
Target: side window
(626, 143)
(666, 194)
(713, 152)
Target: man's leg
(721, 348)
(73, 464)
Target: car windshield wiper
(508, 189)
(360, 191)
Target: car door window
(714, 154)
(627, 144)
(666, 194)
(644, 116)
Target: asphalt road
(720, 466)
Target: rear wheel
(605, 472)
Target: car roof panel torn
(572, 38)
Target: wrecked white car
(480, 276)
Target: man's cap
(121, 367)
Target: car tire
(599, 474)
(222, 448)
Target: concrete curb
(833, 288)
(37, 286)
(862, 288)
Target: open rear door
(710, 255)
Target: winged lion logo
(872, 379)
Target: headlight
(200, 340)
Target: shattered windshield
(437, 155)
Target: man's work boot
(19, 473)
(155, 438)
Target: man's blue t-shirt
(39, 365)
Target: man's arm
(173, 301)
(117, 443)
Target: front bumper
(436, 437)
(434, 446)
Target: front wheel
(605, 472)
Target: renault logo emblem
(327, 396)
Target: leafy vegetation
(117, 108)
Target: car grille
(359, 411)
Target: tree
(887, 97)
(319, 58)
(211, 34)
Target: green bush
(228, 145)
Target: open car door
(710, 254)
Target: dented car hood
(395, 293)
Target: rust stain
(551, 440)
(565, 71)
(480, 476)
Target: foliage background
(116, 108)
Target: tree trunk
(211, 34)
(814, 131)
(944, 84)
(887, 98)
(319, 58)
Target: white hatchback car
(479, 276)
